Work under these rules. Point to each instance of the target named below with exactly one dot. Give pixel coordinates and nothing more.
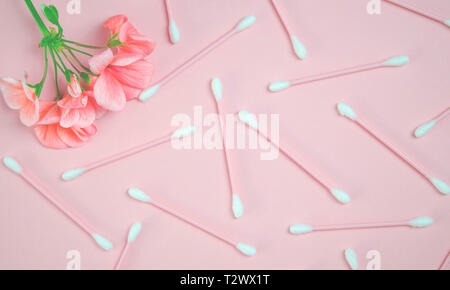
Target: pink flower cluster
(121, 74)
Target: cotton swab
(298, 47)
(423, 129)
(440, 19)
(15, 167)
(420, 222)
(174, 34)
(242, 25)
(396, 61)
(141, 196)
(351, 258)
(338, 194)
(237, 207)
(133, 233)
(348, 112)
(446, 263)
(178, 134)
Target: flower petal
(29, 113)
(124, 59)
(138, 44)
(131, 93)
(137, 74)
(109, 93)
(49, 113)
(74, 88)
(98, 63)
(115, 23)
(86, 116)
(13, 93)
(69, 102)
(48, 136)
(29, 92)
(90, 131)
(69, 118)
(75, 137)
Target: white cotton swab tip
(299, 229)
(440, 185)
(173, 32)
(217, 89)
(148, 93)
(238, 208)
(278, 86)
(299, 48)
(447, 22)
(346, 111)
(102, 242)
(246, 249)
(72, 174)
(248, 118)
(134, 232)
(397, 61)
(340, 195)
(421, 222)
(246, 23)
(351, 258)
(12, 164)
(183, 132)
(423, 129)
(139, 195)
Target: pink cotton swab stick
(237, 207)
(420, 222)
(396, 61)
(133, 233)
(174, 34)
(141, 196)
(423, 129)
(178, 134)
(242, 25)
(299, 48)
(15, 167)
(341, 196)
(446, 263)
(348, 112)
(415, 9)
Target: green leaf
(51, 13)
(114, 43)
(85, 77)
(111, 37)
(67, 74)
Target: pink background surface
(275, 193)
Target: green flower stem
(78, 61)
(70, 62)
(44, 77)
(60, 60)
(83, 45)
(77, 50)
(56, 66)
(37, 18)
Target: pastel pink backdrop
(34, 235)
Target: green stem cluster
(55, 46)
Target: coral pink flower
(52, 135)
(19, 96)
(77, 108)
(122, 78)
(127, 34)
